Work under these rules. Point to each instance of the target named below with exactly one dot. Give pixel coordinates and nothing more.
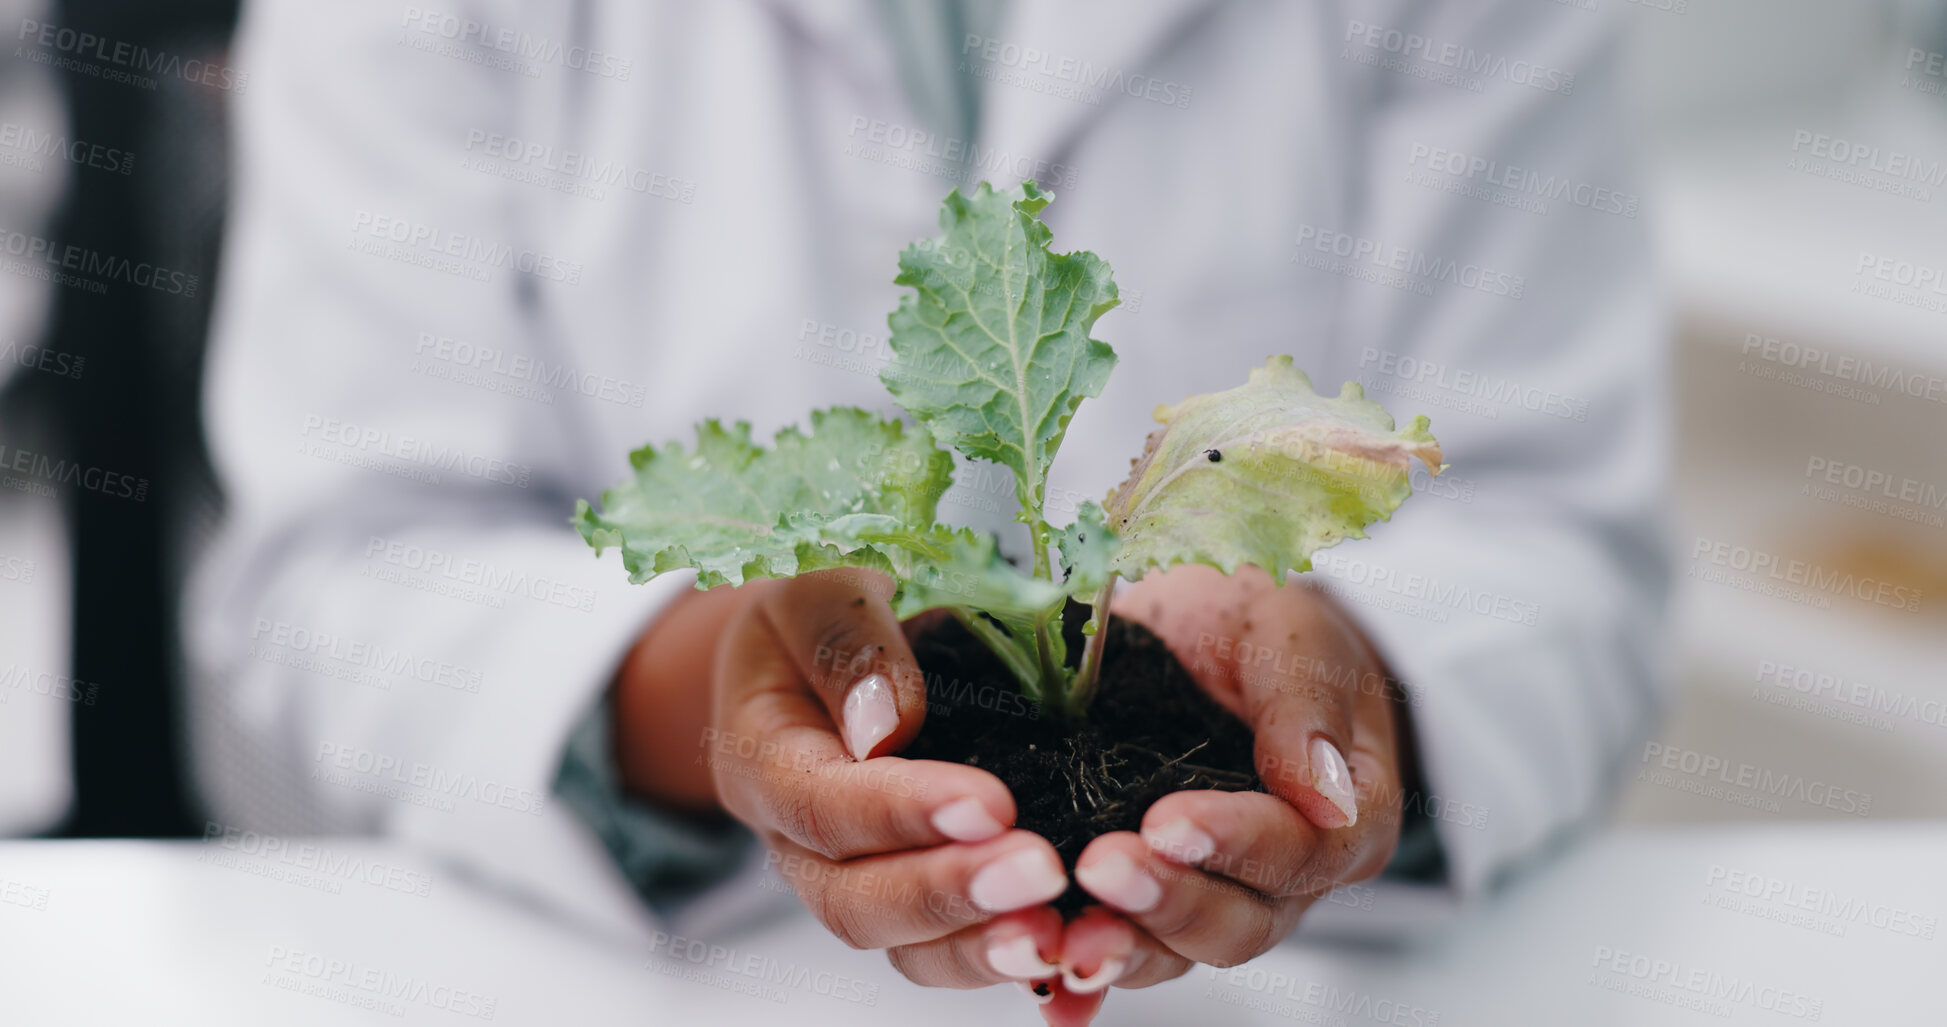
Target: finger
(849, 648)
(1199, 916)
(1375, 764)
(779, 766)
(1102, 948)
(904, 898)
(1013, 947)
(1063, 1008)
(1256, 840)
(1303, 721)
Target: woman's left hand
(1220, 877)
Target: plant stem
(1038, 534)
(1082, 690)
(1054, 676)
(1007, 647)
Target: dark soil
(1150, 731)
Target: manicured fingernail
(1103, 976)
(1021, 879)
(1333, 779)
(1017, 957)
(966, 820)
(1180, 841)
(1118, 881)
(1042, 992)
(870, 714)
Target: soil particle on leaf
(1150, 731)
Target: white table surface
(159, 933)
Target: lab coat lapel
(1116, 38)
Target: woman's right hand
(812, 688)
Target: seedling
(992, 356)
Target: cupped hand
(814, 686)
(1220, 877)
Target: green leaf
(1088, 550)
(735, 510)
(1266, 474)
(992, 350)
(965, 568)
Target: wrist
(660, 702)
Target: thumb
(848, 646)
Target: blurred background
(1797, 160)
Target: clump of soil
(1150, 731)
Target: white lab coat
(768, 185)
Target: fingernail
(1042, 992)
(1333, 779)
(1118, 881)
(1180, 841)
(966, 820)
(1024, 878)
(1103, 976)
(1017, 957)
(870, 714)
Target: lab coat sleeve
(1519, 596)
(395, 629)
